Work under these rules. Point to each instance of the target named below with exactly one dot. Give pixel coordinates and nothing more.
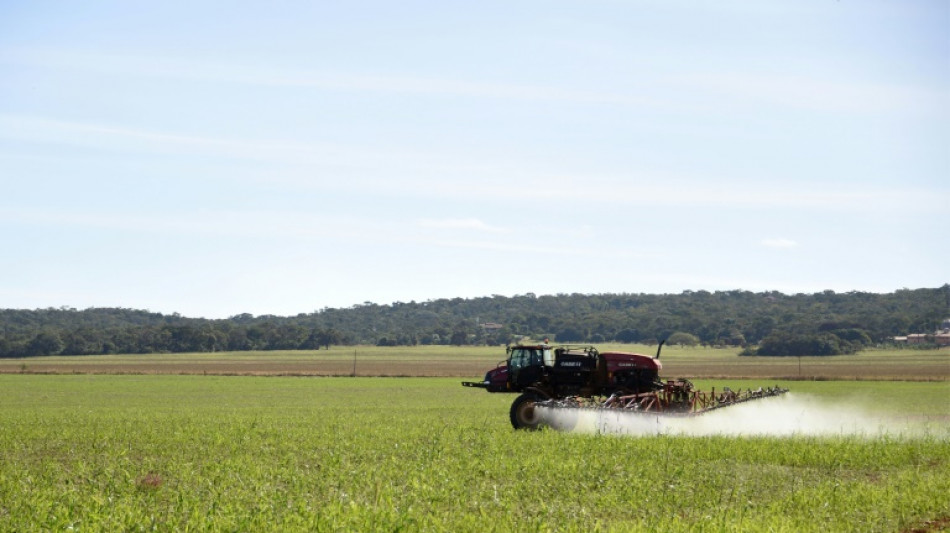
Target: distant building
(941, 337)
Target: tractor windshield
(522, 357)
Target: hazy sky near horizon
(216, 158)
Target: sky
(216, 158)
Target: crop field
(164, 452)
(471, 361)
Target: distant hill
(734, 318)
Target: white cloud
(779, 243)
(196, 70)
(125, 139)
(396, 171)
(459, 223)
(800, 92)
(216, 223)
(821, 94)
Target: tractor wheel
(523, 414)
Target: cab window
(519, 359)
(522, 357)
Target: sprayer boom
(676, 398)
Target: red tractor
(575, 376)
(544, 372)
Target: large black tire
(523, 414)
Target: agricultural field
(166, 452)
(473, 361)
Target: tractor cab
(552, 370)
(565, 367)
(526, 363)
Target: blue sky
(215, 158)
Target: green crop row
(187, 453)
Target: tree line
(765, 323)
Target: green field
(245, 453)
(473, 361)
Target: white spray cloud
(787, 415)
